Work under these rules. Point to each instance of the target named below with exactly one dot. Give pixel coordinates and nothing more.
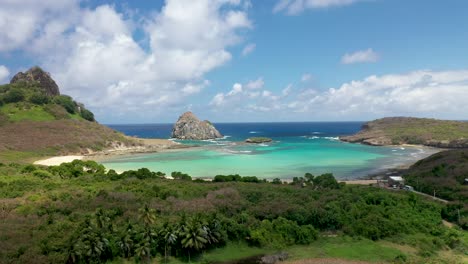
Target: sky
(148, 61)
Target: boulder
(39, 76)
(190, 127)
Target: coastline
(146, 146)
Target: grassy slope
(28, 132)
(405, 130)
(17, 112)
(425, 129)
(444, 173)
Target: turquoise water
(284, 158)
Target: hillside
(409, 130)
(445, 173)
(36, 120)
(79, 213)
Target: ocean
(297, 148)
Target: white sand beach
(57, 160)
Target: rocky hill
(190, 127)
(36, 119)
(409, 130)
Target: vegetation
(444, 174)
(258, 140)
(36, 123)
(80, 213)
(27, 101)
(418, 131)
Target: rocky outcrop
(40, 77)
(190, 127)
(258, 140)
(410, 130)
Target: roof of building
(396, 178)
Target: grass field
(17, 113)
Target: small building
(396, 181)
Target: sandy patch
(54, 161)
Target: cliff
(409, 130)
(188, 126)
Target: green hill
(410, 130)
(36, 120)
(445, 173)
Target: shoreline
(147, 146)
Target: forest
(79, 212)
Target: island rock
(40, 77)
(190, 127)
(258, 140)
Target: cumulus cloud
(294, 7)
(4, 73)
(255, 84)
(249, 48)
(360, 56)
(94, 55)
(440, 94)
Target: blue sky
(236, 60)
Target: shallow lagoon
(297, 148)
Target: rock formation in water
(37, 76)
(190, 127)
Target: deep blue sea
(240, 131)
(297, 148)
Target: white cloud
(306, 77)
(24, 21)
(249, 48)
(94, 56)
(439, 94)
(360, 56)
(4, 73)
(294, 7)
(256, 84)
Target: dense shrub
(39, 99)
(86, 114)
(14, 95)
(66, 102)
(177, 175)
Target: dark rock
(42, 78)
(258, 140)
(190, 127)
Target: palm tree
(170, 238)
(193, 236)
(143, 251)
(147, 215)
(126, 245)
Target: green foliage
(66, 102)
(82, 214)
(281, 233)
(39, 99)
(14, 95)
(177, 175)
(87, 115)
(42, 174)
(235, 178)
